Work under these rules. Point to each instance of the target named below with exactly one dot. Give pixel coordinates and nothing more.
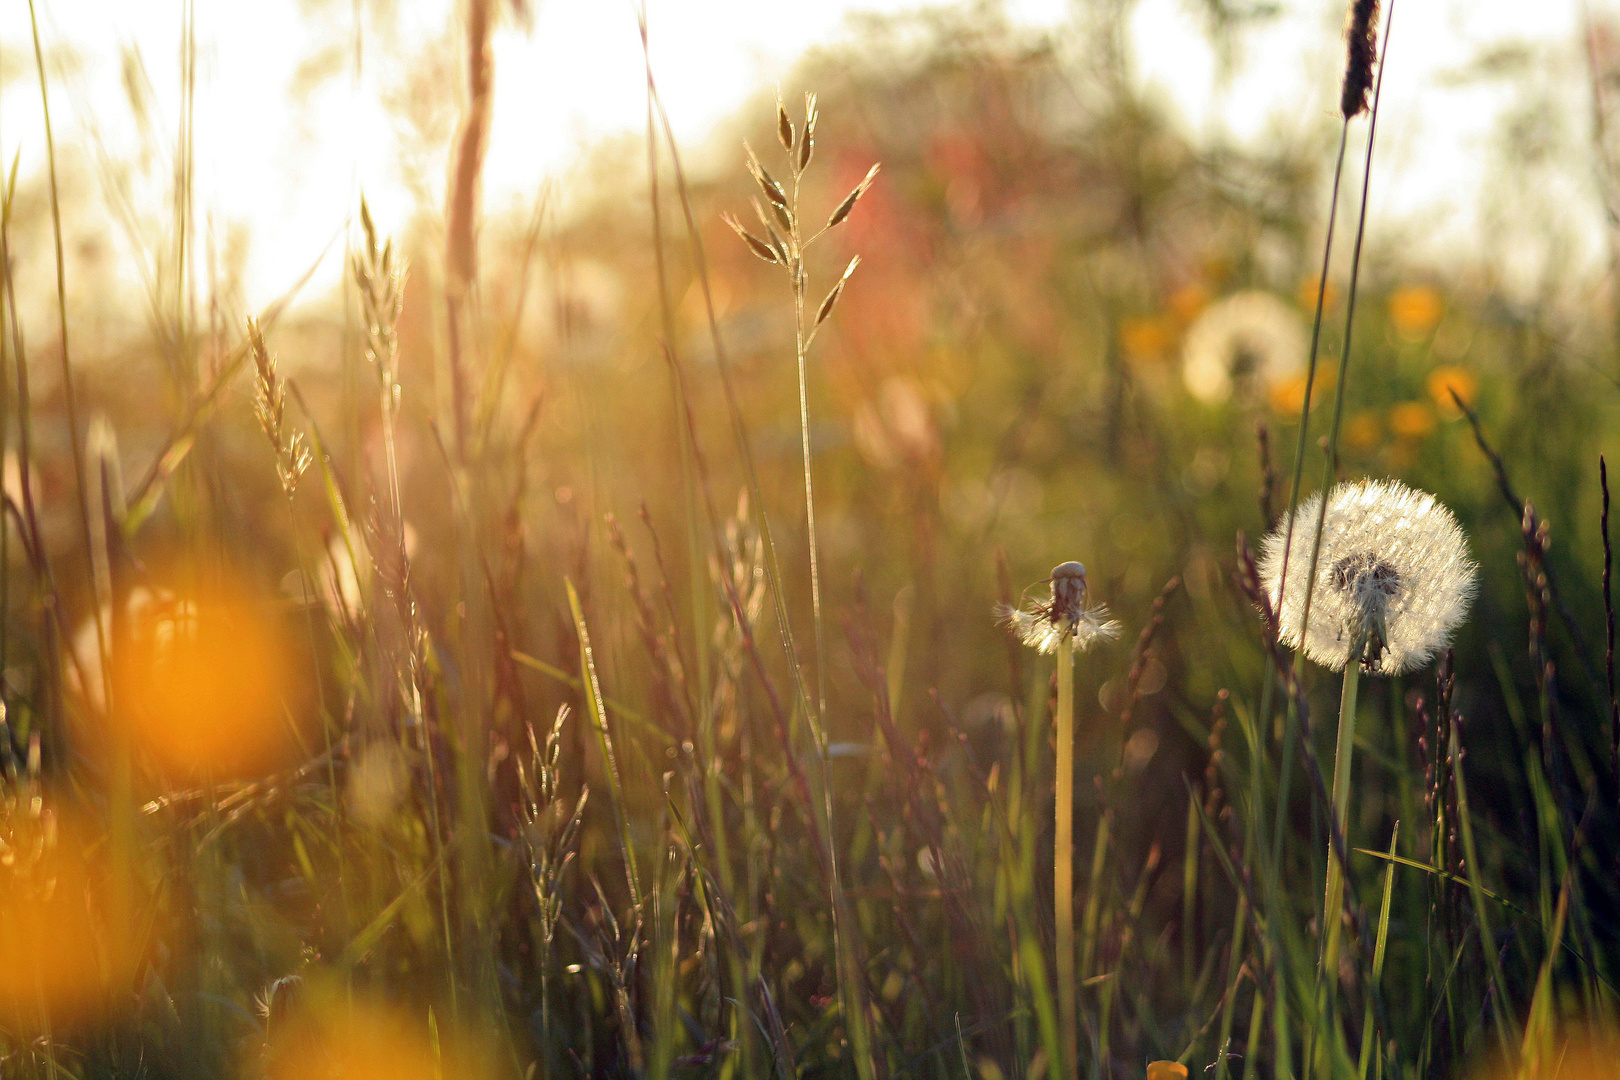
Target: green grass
(604, 748)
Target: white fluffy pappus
(1244, 344)
(1394, 568)
(1042, 625)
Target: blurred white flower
(1043, 624)
(1244, 343)
(1394, 568)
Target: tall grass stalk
(1369, 1046)
(1333, 900)
(1063, 860)
(1333, 895)
(69, 395)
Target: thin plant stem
(1608, 621)
(801, 354)
(1333, 895)
(1331, 467)
(1368, 1049)
(1292, 734)
(69, 398)
(1063, 859)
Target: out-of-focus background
(1078, 330)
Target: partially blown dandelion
(1065, 625)
(1393, 580)
(1043, 625)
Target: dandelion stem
(1333, 898)
(1063, 858)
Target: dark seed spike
(827, 304)
(755, 244)
(773, 191)
(1361, 39)
(774, 238)
(852, 198)
(784, 217)
(807, 141)
(784, 126)
(832, 297)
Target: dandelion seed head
(1394, 569)
(1043, 625)
(1243, 344)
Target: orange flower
(1364, 430)
(1307, 294)
(1447, 378)
(1415, 310)
(1412, 420)
(1186, 302)
(1166, 1070)
(1287, 396)
(1145, 339)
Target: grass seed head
(1361, 40)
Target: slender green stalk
(1063, 860)
(69, 396)
(1367, 1047)
(1235, 966)
(1257, 1016)
(1487, 937)
(1291, 737)
(1189, 891)
(1333, 897)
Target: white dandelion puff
(1043, 625)
(1393, 578)
(1247, 342)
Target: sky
(287, 178)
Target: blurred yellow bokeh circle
(202, 682)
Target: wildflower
(1166, 1070)
(1393, 578)
(1247, 342)
(1415, 310)
(1412, 419)
(1145, 338)
(1363, 430)
(1043, 625)
(1445, 379)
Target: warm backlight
(334, 1041)
(71, 947)
(203, 685)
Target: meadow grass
(465, 725)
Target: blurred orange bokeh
(1145, 339)
(1288, 395)
(330, 1040)
(202, 682)
(1412, 419)
(71, 949)
(1363, 430)
(1166, 1070)
(1415, 310)
(1445, 379)
(1307, 295)
(1579, 1055)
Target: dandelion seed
(1393, 578)
(1246, 343)
(1044, 624)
